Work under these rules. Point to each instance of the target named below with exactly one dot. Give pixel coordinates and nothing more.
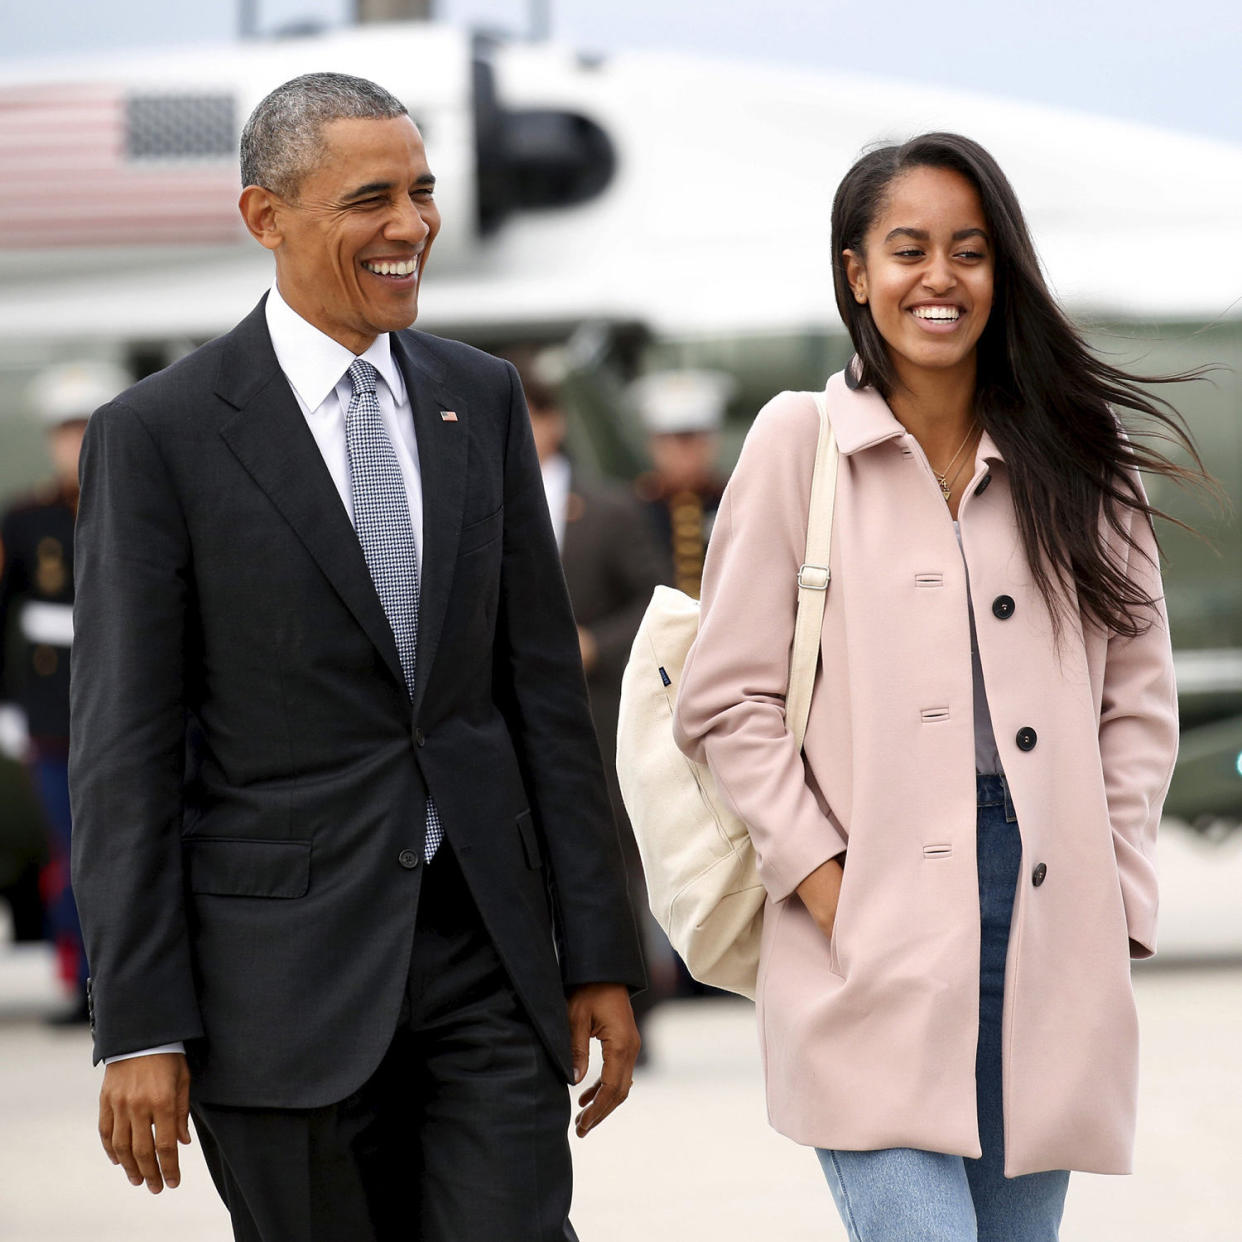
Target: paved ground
(690, 1156)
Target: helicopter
(637, 211)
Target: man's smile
(393, 268)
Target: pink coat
(868, 1039)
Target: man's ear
(259, 210)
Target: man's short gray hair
(283, 139)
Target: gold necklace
(946, 483)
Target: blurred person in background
(961, 862)
(682, 412)
(36, 631)
(23, 846)
(612, 564)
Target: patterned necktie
(382, 520)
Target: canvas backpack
(702, 881)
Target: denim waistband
(991, 789)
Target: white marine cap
(680, 401)
(74, 390)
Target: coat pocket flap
(239, 867)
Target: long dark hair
(1041, 393)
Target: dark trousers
(459, 1136)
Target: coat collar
(862, 419)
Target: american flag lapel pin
(448, 416)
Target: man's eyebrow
(426, 181)
(372, 187)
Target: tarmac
(690, 1155)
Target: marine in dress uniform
(36, 633)
(682, 412)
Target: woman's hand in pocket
(820, 892)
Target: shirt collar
(314, 363)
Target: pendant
(945, 489)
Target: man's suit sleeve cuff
(147, 1052)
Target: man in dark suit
(349, 881)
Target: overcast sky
(1175, 63)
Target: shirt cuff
(147, 1052)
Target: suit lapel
(442, 456)
(270, 438)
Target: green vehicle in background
(1203, 576)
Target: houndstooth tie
(382, 520)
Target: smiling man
(351, 889)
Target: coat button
(419, 737)
(408, 859)
(1026, 738)
(1002, 607)
(1037, 876)
(983, 485)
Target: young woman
(959, 865)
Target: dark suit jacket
(612, 564)
(259, 900)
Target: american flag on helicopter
(97, 165)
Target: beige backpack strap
(813, 577)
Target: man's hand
(820, 892)
(602, 1011)
(142, 1097)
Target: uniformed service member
(682, 412)
(36, 632)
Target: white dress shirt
(556, 477)
(317, 368)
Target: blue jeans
(904, 1195)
